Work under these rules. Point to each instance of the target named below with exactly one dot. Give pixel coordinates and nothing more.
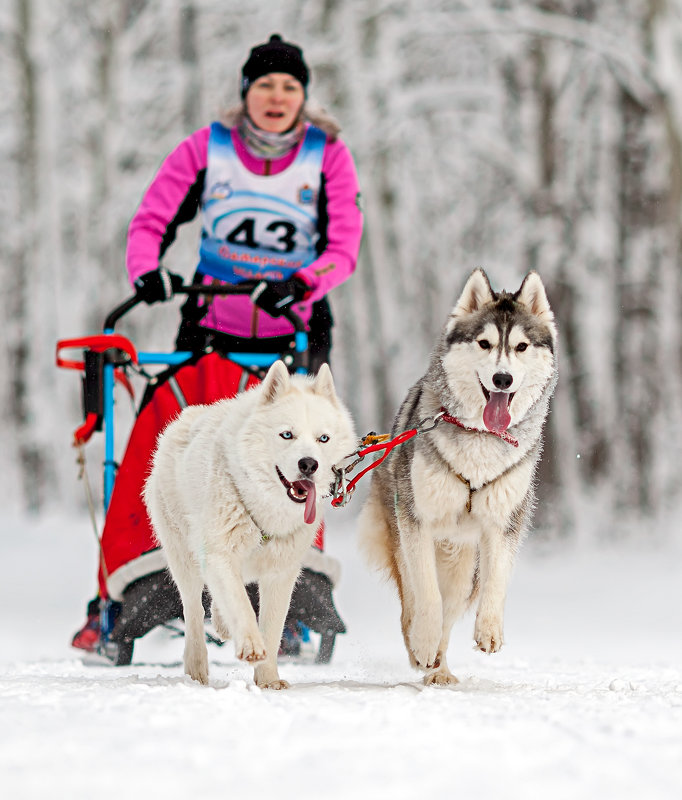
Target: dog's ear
(275, 382)
(533, 296)
(477, 292)
(324, 383)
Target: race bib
(259, 226)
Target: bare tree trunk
(638, 368)
(30, 458)
(103, 251)
(189, 59)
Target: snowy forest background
(509, 135)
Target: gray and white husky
(448, 510)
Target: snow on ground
(584, 701)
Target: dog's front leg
(497, 553)
(427, 616)
(229, 596)
(196, 654)
(275, 595)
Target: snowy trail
(585, 700)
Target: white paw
(219, 624)
(442, 677)
(196, 666)
(277, 684)
(424, 640)
(251, 648)
(488, 635)
(267, 677)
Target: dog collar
(500, 434)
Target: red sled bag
(129, 550)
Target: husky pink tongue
(311, 496)
(496, 414)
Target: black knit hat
(274, 56)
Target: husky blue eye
(484, 344)
(324, 438)
(287, 435)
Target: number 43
(244, 234)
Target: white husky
(234, 496)
(447, 512)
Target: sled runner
(136, 593)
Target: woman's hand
(275, 297)
(157, 285)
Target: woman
(279, 201)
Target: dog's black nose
(307, 465)
(502, 380)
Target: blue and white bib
(257, 227)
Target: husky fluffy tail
(375, 535)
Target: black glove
(276, 296)
(157, 285)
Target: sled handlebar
(245, 287)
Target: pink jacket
(174, 195)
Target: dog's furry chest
(454, 496)
(477, 458)
(254, 554)
(271, 556)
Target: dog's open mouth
(301, 492)
(496, 416)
